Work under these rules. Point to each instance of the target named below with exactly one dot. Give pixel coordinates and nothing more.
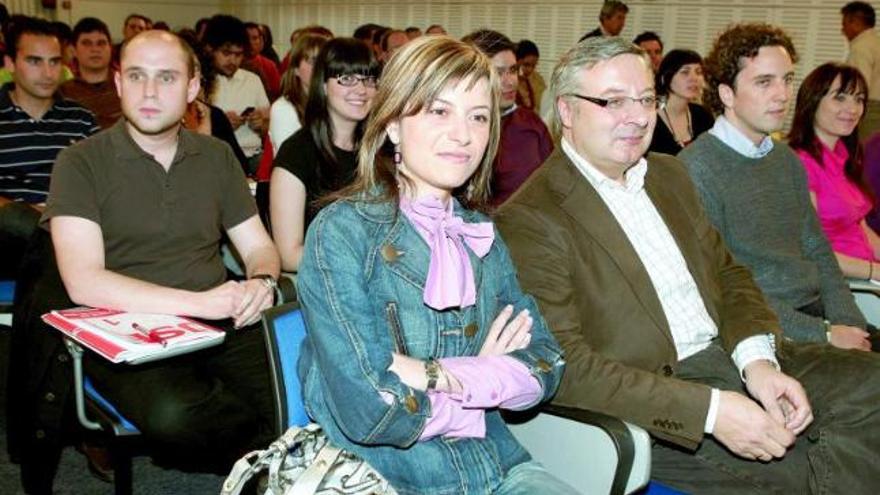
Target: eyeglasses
(507, 71)
(350, 80)
(618, 103)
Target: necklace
(690, 132)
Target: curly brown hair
(729, 51)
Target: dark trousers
(836, 454)
(17, 224)
(200, 411)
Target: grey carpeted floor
(73, 476)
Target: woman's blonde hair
(413, 78)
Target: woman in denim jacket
(418, 330)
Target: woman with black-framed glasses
(321, 157)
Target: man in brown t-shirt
(93, 86)
(136, 217)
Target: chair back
(284, 329)
(107, 413)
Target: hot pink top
(840, 203)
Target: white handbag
(302, 462)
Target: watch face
(269, 279)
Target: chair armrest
(286, 290)
(592, 451)
(863, 286)
(867, 296)
(76, 353)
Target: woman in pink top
(830, 104)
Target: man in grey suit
(660, 325)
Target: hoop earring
(396, 157)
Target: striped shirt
(28, 146)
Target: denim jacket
(362, 276)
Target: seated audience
(659, 324)
(857, 23)
(131, 27)
(679, 85)
(364, 33)
(413, 32)
(65, 36)
(435, 29)
(200, 27)
(525, 141)
(376, 42)
(286, 114)
(313, 29)
(201, 116)
(255, 62)
(141, 233)
(824, 134)
(321, 157)
(755, 192)
(37, 122)
(531, 85)
(653, 46)
(269, 45)
(93, 86)
(392, 41)
(410, 371)
(237, 92)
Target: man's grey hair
(585, 55)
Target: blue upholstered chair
(7, 295)
(285, 329)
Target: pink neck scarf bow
(450, 274)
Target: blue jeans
(530, 478)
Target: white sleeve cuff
(713, 411)
(753, 349)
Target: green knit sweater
(762, 209)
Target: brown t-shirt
(100, 98)
(160, 227)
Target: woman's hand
(507, 335)
(411, 372)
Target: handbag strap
(309, 481)
(245, 468)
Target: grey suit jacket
(598, 299)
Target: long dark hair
(306, 45)
(803, 132)
(339, 56)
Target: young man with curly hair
(755, 189)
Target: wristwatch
(432, 370)
(267, 279)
